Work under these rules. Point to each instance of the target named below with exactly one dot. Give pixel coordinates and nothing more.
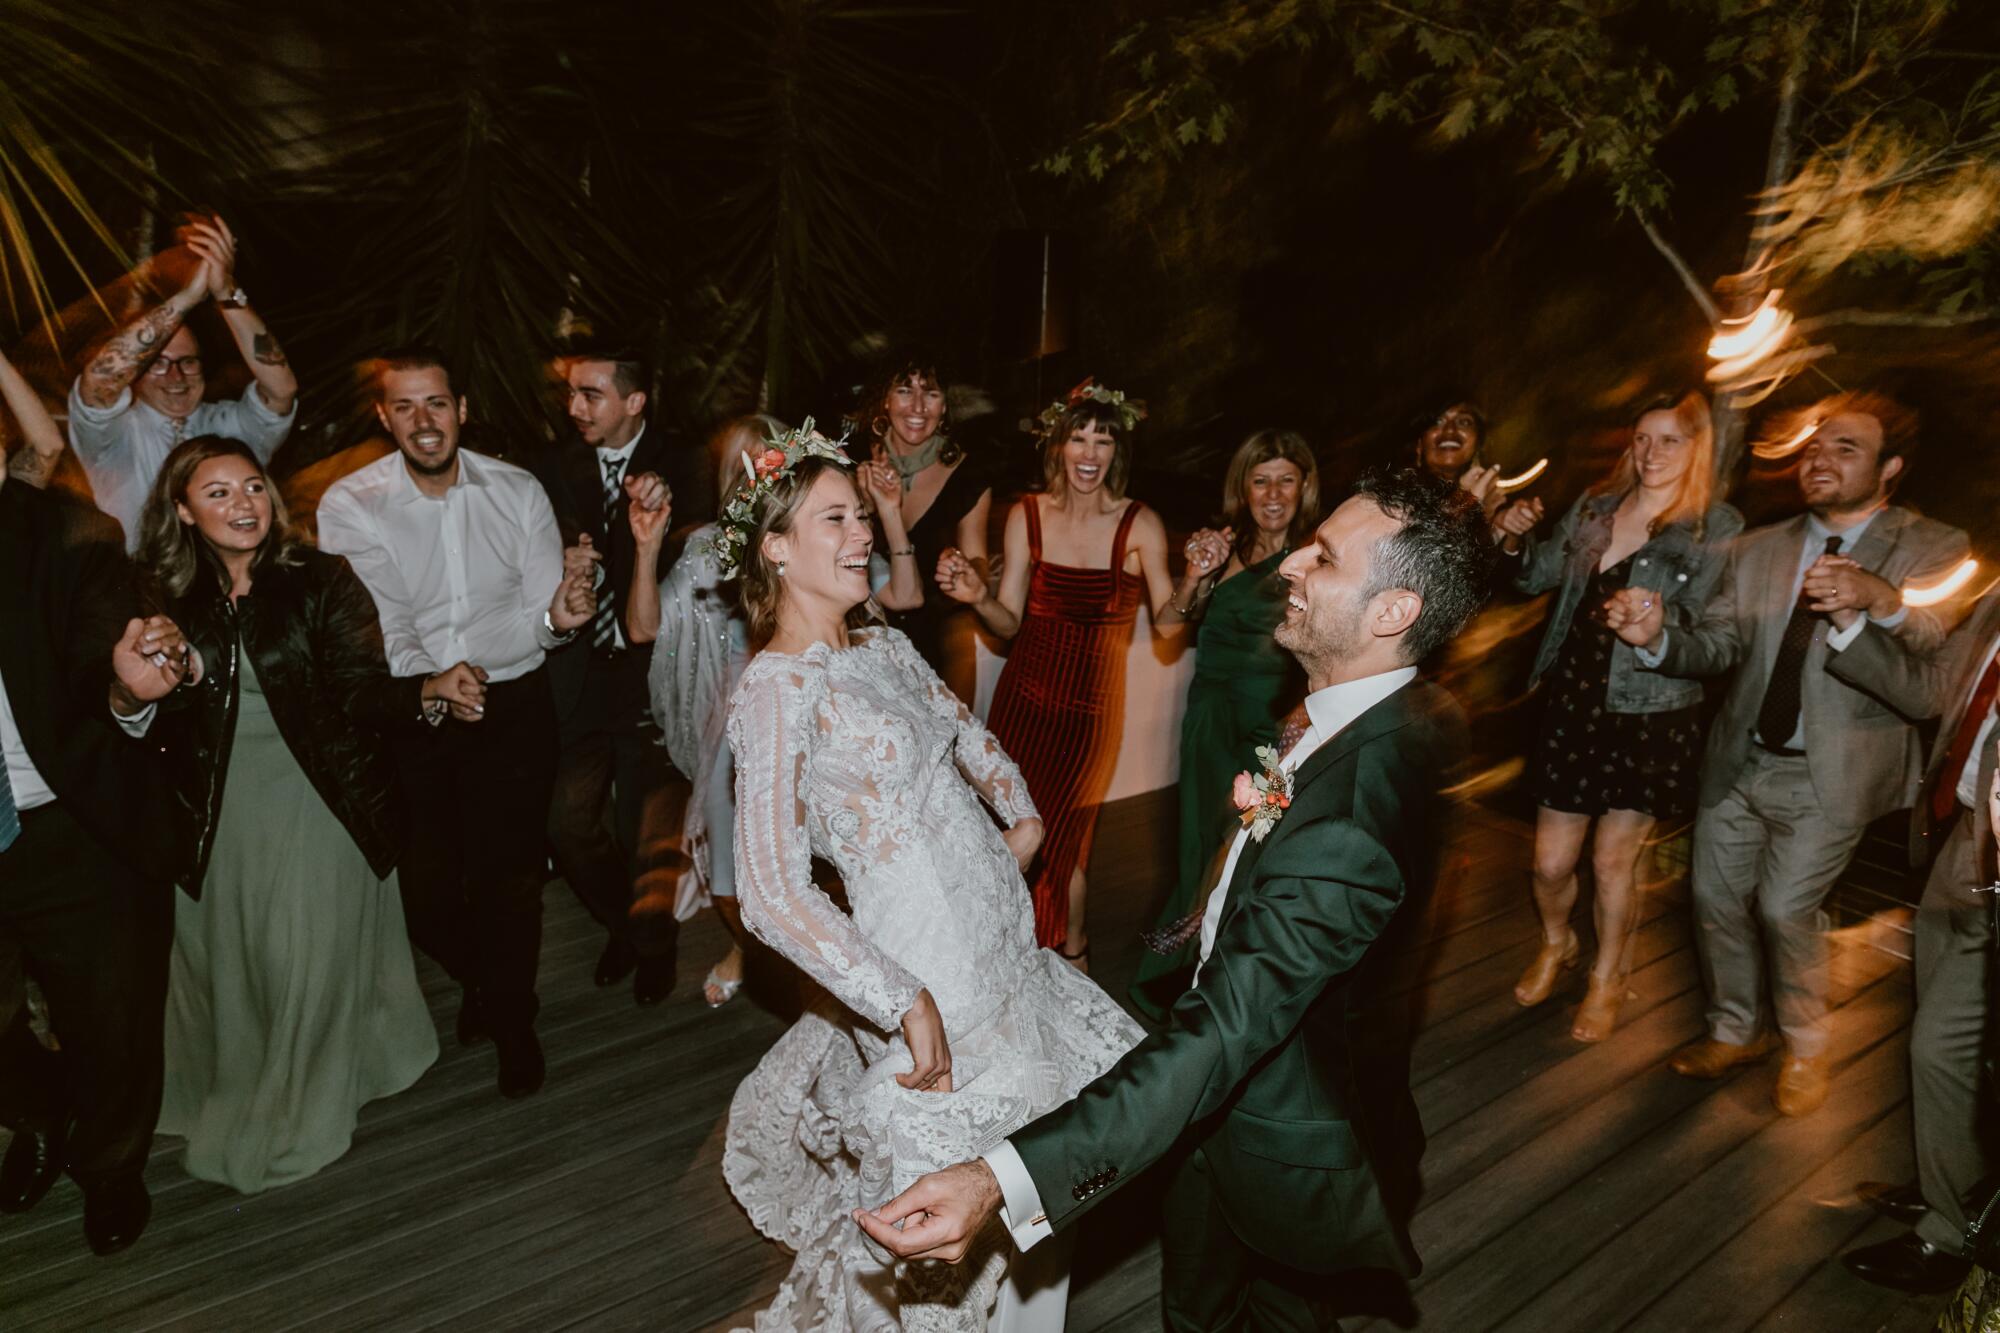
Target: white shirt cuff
(1022, 1199)
(1890, 622)
(137, 724)
(1650, 658)
(1838, 639)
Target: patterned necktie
(10, 818)
(1944, 791)
(1292, 729)
(1778, 715)
(604, 630)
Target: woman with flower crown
(945, 1028)
(1077, 560)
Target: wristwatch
(236, 300)
(560, 636)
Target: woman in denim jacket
(1618, 745)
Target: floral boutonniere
(1264, 797)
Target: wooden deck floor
(1568, 1187)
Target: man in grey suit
(1953, 822)
(1800, 760)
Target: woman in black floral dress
(1619, 744)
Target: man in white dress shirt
(1257, 1087)
(142, 393)
(473, 585)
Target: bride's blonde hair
(758, 585)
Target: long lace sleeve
(985, 765)
(770, 729)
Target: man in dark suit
(1951, 831)
(86, 861)
(1256, 1079)
(610, 748)
(1800, 760)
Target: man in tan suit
(1954, 934)
(1800, 761)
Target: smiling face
(825, 550)
(914, 409)
(1086, 457)
(172, 383)
(1449, 445)
(1271, 495)
(228, 503)
(1331, 621)
(422, 415)
(1661, 448)
(1843, 468)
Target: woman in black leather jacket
(293, 997)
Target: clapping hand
(1636, 615)
(1842, 590)
(958, 577)
(214, 245)
(650, 507)
(149, 660)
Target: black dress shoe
(655, 979)
(522, 1069)
(616, 962)
(1908, 1263)
(1898, 1203)
(34, 1160)
(472, 1027)
(115, 1212)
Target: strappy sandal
(716, 985)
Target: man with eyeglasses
(142, 393)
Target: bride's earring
(781, 569)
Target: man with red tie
(1954, 937)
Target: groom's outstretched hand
(940, 1214)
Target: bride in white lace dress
(951, 1028)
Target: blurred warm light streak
(1933, 593)
(1516, 482)
(1785, 449)
(1741, 345)
(1487, 781)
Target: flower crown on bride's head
(763, 468)
(1131, 411)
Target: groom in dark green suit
(1282, 1125)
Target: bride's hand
(1024, 840)
(923, 1033)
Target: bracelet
(902, 550)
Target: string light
(1766, 449)
(1932, 594)
(1516, 482)
(1740, 345)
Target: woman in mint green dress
(292, 999)
(1244, 684)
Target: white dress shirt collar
(404, 487)
(623, 453)
(1334, 708)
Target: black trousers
(97, 939)
(612, 764)
(1211, 1282)
(471, 874)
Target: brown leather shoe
(1801, 1085)
(1598, 1013)
(1709, 1058)
(1540, 979)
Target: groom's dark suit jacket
(1260, 1062)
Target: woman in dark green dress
(1244, 684)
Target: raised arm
(770, 730)
(42, 442)
(883, 489)
(119, 362)
(999, 611)
(277, 386)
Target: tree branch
(1680, 266)
(1855, 317)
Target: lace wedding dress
(864, 758)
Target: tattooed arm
(42, 444)
(276, 385)
(114, 368)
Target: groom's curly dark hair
(1443, 553)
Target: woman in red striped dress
(1079, 558)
